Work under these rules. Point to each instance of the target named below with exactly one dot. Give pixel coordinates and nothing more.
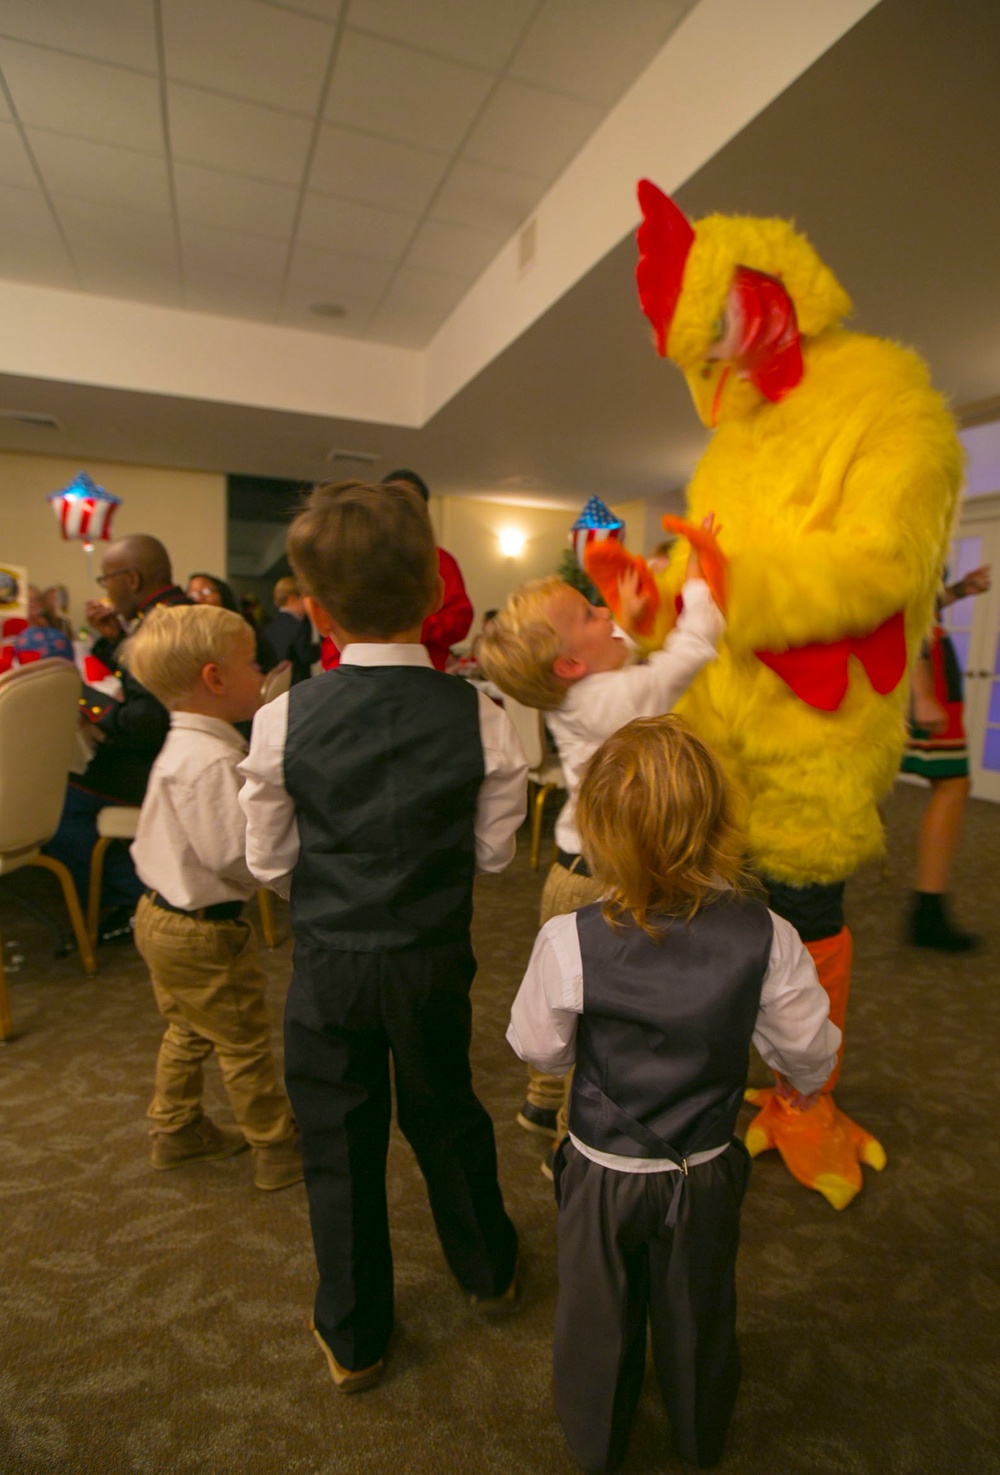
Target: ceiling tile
(457, 249)
(248, 49)
(358, 230)
(334, 276)
(486, 199)
(223, 133)
(96, 171)
(422, 100)
(212, 255)
(582, 46)
(15, 165)
(427, 291)
(404, 327)
(70, 94)
(375, 171)
(31, 248)
(325, 9)
(120, 31)
(109, 241)
(480, 32)
(233, 202)
(532, 131)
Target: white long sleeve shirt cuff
(793, 1032)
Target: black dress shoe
(115, 926)
(930, 925)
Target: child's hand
(631, 604)
(694, 568)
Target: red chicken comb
(768, 351)
(664, 239)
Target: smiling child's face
(587, 637)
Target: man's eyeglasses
(105, 579)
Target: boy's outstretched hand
(706, 560)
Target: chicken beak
(707, 383)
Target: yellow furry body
(836, 506)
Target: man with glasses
(135, 576)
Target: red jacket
(440, 631)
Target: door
(974, 626)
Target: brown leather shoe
(349, 1380)
(200, 1141)
(279, 1165)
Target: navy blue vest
(662, 1043)
(384, 764)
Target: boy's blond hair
(285, 589)
(175, 642)
(518, 651)
(367, 554)
(657, 823)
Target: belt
(219, 911)
(574, 863)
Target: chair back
(277, 681)
(39, 714)
(530, 728)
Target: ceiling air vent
(366, 458)
(31, 417)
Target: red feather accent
(817, 673)
(664, 239)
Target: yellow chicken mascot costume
(834, 475)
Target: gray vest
(384, 764)
(662, 1043)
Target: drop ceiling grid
(374, 154)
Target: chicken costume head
(834, 471)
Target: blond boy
(199, 661)
(550, 648)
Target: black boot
(931, 927)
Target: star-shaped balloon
(84, 510)
(595, 524)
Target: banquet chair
(545, 772)
(277, 681)
(39, 713)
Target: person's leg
(73, 842)
(337, 1073)
(599, 1345)
(940, 828)
(428, 1018)
(692, 1301)
(178, 1085)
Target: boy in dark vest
(375, 792)
(655, 994)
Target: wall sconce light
(512, 543)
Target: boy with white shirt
(373, 794)
(200, 662)
(551, 649)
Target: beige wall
(186, 510)
(469, 529)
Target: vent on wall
(31, 417)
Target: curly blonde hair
(658, 824)
(518, 651)
(174, 643)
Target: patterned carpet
(158, 1322)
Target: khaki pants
(564, 891)
(209, 988)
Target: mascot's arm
(879, 550)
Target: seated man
(135, 575)
(289, 634)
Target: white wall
(186, 510)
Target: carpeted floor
(158, 1322)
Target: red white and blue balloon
(83, 509)
(595, 523)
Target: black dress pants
(345, 1013)
(618, 1263)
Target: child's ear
(318, 615)
(213, 677)
(568, 668)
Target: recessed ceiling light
(328, 309)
